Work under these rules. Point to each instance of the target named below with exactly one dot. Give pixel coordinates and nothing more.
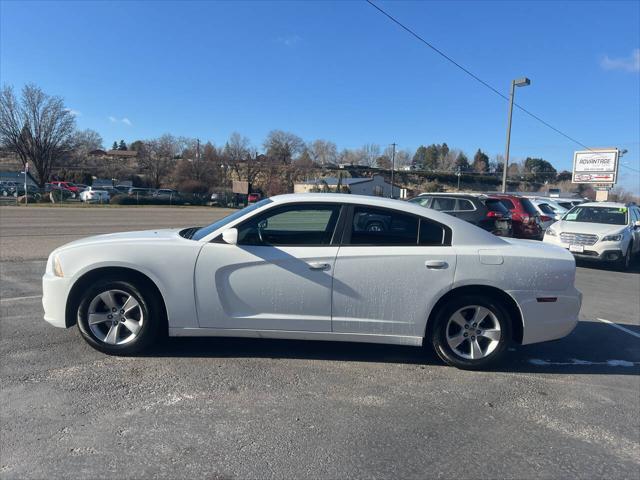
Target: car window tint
(545, 208)
(496, 206)
(306, 224)
(464, 205)
(443, 203)
(422, 201)
(507, 203)
(372, 226)
(431, 233)
(528, 206)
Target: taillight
(492, 214)
(544, 218)
(525, 218)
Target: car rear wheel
(119, 317)
(471, 332)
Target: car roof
(464, 232)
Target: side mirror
(230, 236)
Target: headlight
(612, 238)
(551, 232)
(57, 268)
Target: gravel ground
(238, 408)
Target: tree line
(39, 129)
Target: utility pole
(393, 166)
(197, 149)
(458, 173)
(520, 82)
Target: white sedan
(93, 195)
(317, 266)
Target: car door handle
(319, 266)
(436, 264)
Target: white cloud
(628, 64)
(73, 112)
(289, 40)
(124, 120)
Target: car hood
(126, 237)
(586, 227)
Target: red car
(524, 216)
(66, 186)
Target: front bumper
(544, 321)
(598, 252)
(54, 299)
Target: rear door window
(464, 205)
(545, 208)
(444, 204)
(372, 226)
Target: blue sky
(338, 70)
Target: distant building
(373, 186)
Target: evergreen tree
(114, 146)
(122, 146)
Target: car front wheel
(471, 332)
(119, 317)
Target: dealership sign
(595, 166)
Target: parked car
(72, 187)
(253, 197)
(166, 194)
(94, 195)
(547, 215)
(140, 192)
(557, 209)
(487, 213)
(122, 189)
(7, 188)
(601, 231)
(524, 216)
(568, 203)
(445, 283)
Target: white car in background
(92, 195)
(547, 206)
(317, 267)
(602, 231)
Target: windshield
(204, 231)
(606, 215)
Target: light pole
(520, 82)
(393, 167)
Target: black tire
(439, 332)
(149, 305)
(624, 263)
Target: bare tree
(283, 146)
(323, 152)
(370, 154)
(37, 128)
(157, 158)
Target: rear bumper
(54, 299)
(544, 321)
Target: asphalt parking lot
(231, 408)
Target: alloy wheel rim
(115, 317)
(473, 332)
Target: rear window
(528, 206)
(546, 209)
(507, 203)
(496, 205)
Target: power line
(478, 79)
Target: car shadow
(592, 348)
(609, 267)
